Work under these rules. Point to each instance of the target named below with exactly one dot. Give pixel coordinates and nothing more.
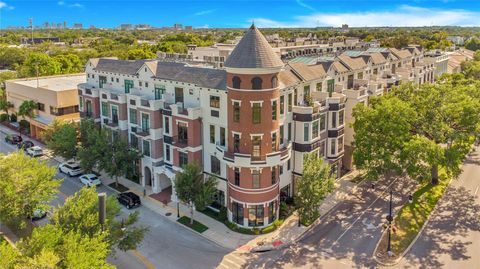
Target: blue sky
(240, 13)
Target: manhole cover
(168, 214)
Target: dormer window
(257, 83)
(236, 81)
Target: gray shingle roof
(253, 51)
(203, 77)
(119, 66)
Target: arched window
(236, 82)
(256, 83)
(274, 81)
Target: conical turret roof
(253, 51)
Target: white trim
(254, 71)
(275, 99)
(256, 169)
(247, 203)
(234, 133)
(256, 102)
(238, 101)
(252, 135)
(177, 121)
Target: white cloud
(61, 3)
(301, 3)
(77, 5)
(402, 16)
(204, 12)
(4, 5)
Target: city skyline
(240, 14)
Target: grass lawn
(197, 226)
(411, 217)
(119, 188)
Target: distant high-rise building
(189, 28)
(93, 27)
(77, 26)
(344, 27)
(178, 26)
(126, 26)
(46, 25)
(64, 25)
(59, 25)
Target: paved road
(451, 239)
(166, 245)
(347, 236)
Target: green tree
(69, 63)
(473, 44)
(316, 183)
(61, 138)
(27, 184)
(193, 189)
(39, 64)
(94, 142)
(27, 110)
(5, 106)
(79, 214)
(138, 54)
(118, 159)
(51, 247)
(448, 117)
(381, 130)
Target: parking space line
(143, 260)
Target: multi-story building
(56, 97)
(249, 124)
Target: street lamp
(390, 219)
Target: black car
(13, 139)
(25, 145)
(129, 199)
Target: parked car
(39, 214)
(35, 151)
(90, 180)
(129, 199)
(25, 145)
(13, 139)
(70, 168)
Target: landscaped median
(196, 226)
(409, 221)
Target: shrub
(4, 117)
(269, 229)
(222, 215)
(256, 231)
(13, 117)
(277, 223)
(231, 225)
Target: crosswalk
(233, 260)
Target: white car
(35, 151)
(70, 168)
(90, 180)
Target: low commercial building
(56, 96)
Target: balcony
(142, 132)
(112, 122)
(180, 142)
(246, 160)
(87, 114)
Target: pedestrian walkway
(288, 233)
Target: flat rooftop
(53, 83)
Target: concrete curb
(168, 209)
(396, 261)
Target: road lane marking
(143, 260)
(476, 190)
(365, 211)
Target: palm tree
(27, 109)
(5, 105)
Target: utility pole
(30, 22)
(102, 208)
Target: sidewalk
(220, 234)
